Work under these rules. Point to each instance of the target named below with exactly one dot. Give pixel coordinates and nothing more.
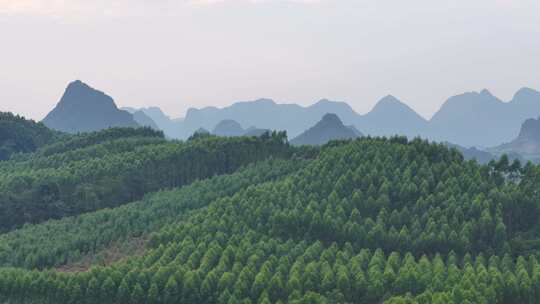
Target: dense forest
(94, 171)
(255, 220)
(19, 135)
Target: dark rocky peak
(79, 93)
(84, 109)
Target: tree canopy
(371, 220)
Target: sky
(178, 54)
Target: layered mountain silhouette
(527, 144)
(482, 119)
(171, 127)
(252, 131)
(330, 127)
(471, 119)
(268, 115)
(481, 156)
(144, 120)
(474, 119)
(84, 109)
(530, 132)
(390, 117)
(229, 128)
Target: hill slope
(114, 167)
(367, 221)
(329, 128)
(84, 109)
(19, 135)
(60, 242)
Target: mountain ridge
(472, 119)
(482, 119)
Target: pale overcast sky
(194, 53)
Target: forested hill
(19, 135)
(116, 166)
(366, 221)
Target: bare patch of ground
(115, 252)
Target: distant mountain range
(470, 119)
(142, 118)
(526, 147)
(171, 127)
(329, 128)
(229, 127)
(481, 119)
(481, 156)
(84, 109)
(391, 117)
(266, 114)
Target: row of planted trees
(120, 175)
(66, 241)
(367, 221)
(262, 270)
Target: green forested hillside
(113, 167)
(82, 140)
(364, 221)
(69, 148)
(58, 242)
(19, 135)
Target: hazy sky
(193, 53)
